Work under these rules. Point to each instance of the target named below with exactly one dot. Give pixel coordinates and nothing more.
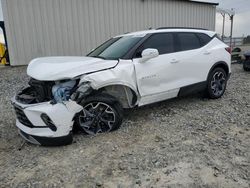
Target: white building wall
(37, 28)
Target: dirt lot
(186, 142)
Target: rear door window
(188, 41)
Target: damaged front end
(45, 110)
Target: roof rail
(180, 28)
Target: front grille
(22, 118)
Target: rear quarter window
(204, 38)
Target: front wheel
(217, 83)
(101, 113)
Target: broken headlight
(62, 91)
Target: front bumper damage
(45, 123)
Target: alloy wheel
(97, 117)
(218, 83)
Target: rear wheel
(217, 82)
(101, 113)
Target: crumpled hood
(60, 68)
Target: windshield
(115, 48)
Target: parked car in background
(237, 55)
(129, 70)
(246, 62)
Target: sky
(241, 20)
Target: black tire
(245, 68)
(102, 113)
(217, 83)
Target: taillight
(229, 50)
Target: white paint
(59, 68)
(122, 74)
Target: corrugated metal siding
(37, 28)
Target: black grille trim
(22, 118)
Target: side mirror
(149, 53)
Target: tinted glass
(188, 41)
(163, 42)
(115, 48)
(204, 39)
(101, 48)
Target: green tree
(246, 40)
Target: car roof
(163, 30)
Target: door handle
(207, 53)
(174, 61)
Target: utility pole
(231, 14)
(223, 26)
(231, 30)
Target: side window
(204, 39)
(163, 42)
(188, 41)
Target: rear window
(188, 41)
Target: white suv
(129, 70)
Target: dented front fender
(122, 74)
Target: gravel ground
(185, 142)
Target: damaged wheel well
(124, 94)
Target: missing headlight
(62, 91)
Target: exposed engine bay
(55, 92)
(37, 92)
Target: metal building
(37, 28)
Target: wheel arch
(126, 95)
(220, 64)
